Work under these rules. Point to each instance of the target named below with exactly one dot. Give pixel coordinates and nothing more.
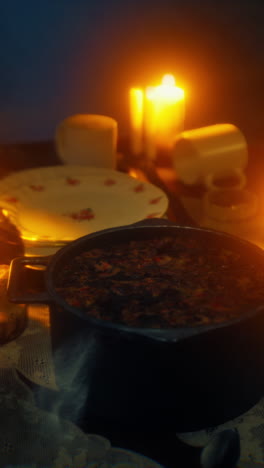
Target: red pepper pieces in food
(103, 266)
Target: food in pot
(162, 283)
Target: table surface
(159, 445)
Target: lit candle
(150, 122)
(164, 115)
(136, 120)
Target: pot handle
(17, 268)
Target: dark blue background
(59, 57)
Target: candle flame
(165, 91)
(168, 80)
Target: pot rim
(163, 334)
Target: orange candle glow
(164, 115)
(136, 120)
(156, 117)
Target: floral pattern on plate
(62, 203)
(81, 215)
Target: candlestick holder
(234, 178)
(230, 205)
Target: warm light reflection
(3, 318)
(4, 269)
(136, 107)
(5, 212)
(136, 96)
(132, 173)
(30, 238)
(26, 237)
(39, 314)
(138, 174)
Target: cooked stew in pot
(162, 283)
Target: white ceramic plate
(61, 203)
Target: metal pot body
(192, 384)
(181, 380)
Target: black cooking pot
(185, 378)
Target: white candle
(164, 115)
(136, 98)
